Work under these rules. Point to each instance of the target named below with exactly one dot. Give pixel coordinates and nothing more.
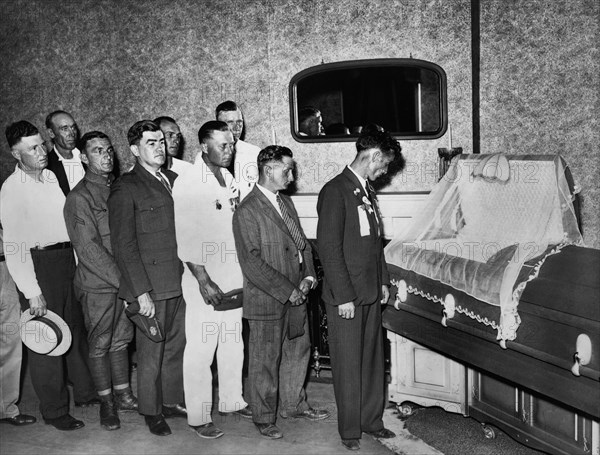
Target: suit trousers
(10, 345)
(54, 270)
(211, 332)
(357, 365)
(160, 365)
(277, 367)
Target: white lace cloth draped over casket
(485, 218)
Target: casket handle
(583, 354)
(402, 294)
(449, 309)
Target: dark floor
(241, 436)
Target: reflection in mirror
(336, 101)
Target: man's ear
(376, 155)
(84, 158)
(16, 154)
(134, 150)
(50, 133)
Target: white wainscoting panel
(397, 210)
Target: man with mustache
(40, 260)
(64, 159)
(205, 199)
(97, 280)
(142, 229)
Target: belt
(55, 246)
(2, 258)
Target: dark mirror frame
(358, 64)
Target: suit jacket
(142, 230)
(268, 256)
(56, 166)
(353, 262)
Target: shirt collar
(269, 194)
(75, 152)
(99, 179)
(362, 181)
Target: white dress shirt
(73, 167)
(245, 166)
(178, 166)
(31, 213)
(203, 223)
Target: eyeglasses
(171, 135)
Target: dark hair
(87, 137)
(51, 116)
(381, 140)
(18, 130)
(307, 112)
(337, 129)
(159, 120)
(226, 106)
(272, 153)
(135, 133)
(371, 128)
(207, 129)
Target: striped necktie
(164, 182)
(291, 225)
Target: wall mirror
(404, 96)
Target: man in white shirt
(63, 159)
(10, 348)
(173, 143)
(243, 166)
(40, 259)
(205, 197)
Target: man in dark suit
(142, 231)
(350, 246)
(277, 264)
(63, 159)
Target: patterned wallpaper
(111, 63)
(540, 74)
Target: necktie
(291, 225)
(373, 199)
(164, 182)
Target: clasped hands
(299, 294)
(347, 310)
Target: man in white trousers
(205, 198)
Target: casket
(557, 350)
(492, 273)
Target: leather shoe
(351, 444)
(157, 425)
(65, 423)
(126, 401)
(19, 420)
(208, 431)
(384, 433)
(308, 414)
(109, 420)
(87, 404)
(177, 410)
(246, 412)
(269, 430)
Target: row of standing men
(175, 238)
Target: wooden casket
(557, 349)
